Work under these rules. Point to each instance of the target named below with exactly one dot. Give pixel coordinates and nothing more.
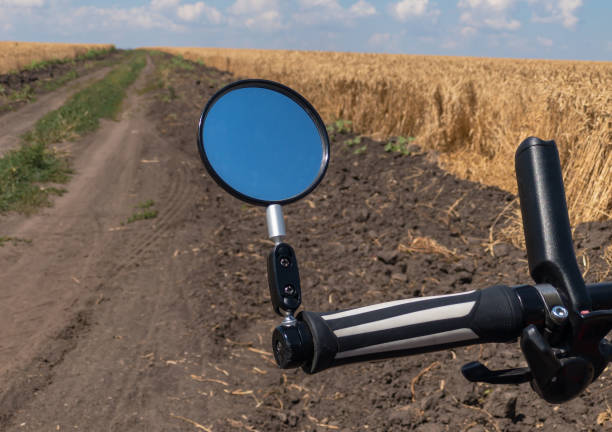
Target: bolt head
(559, 312)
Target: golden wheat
(17, 55)
(474, 111)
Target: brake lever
(477, 372)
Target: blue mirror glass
(263, 142)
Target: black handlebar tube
(424, 324)
(417, 325)
(548, 238)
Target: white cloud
(407, 9)
(243, 7)
(545, 41)
(190, 12)
(493, 14)
(22, 3)
(256, 15)
(269, 20)
(498, 5)
(410, 9)
(362, 9)
(327, 4)
(164, 4)
(568, 8)
(317, 12)
(137, 17)
(193, 11)
(501, 23)
(563, 11)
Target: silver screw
(559, 312)
(285, 262)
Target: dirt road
(81, 256)
(14, 124)
(164, 324)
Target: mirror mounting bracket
(283, 274)
(276, 223)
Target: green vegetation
(147, 204)
(14, 240)
(356, 142)
(82, 112)
(26, 93)
(60, 81)
(353, 141)
(399, 144)
(180, 63)
(22, 171)
(360, 149)
(341, 126)
(147, 213)
(92, 54)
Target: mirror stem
(276, 223)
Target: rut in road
(16, 123)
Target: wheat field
(18, 55)
(474, 111)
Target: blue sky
(554, 29)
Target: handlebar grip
(548, 238)
(413, 326)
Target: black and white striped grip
(413, 326)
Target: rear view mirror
(263, 142)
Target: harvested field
(475, 111)
(15, 56)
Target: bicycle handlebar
(548, 237)
(413, 326)
(416, 325)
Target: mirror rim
(297, 98)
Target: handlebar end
(292, 345)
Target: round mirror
(263, 142)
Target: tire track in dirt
(50, 282)
(178, 200)
(16, 123)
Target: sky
(551, 29)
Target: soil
(165, 324)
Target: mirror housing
(263, 142)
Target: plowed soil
(165, 324)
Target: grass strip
(22, 171)
(92, 54)
(83, 111)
